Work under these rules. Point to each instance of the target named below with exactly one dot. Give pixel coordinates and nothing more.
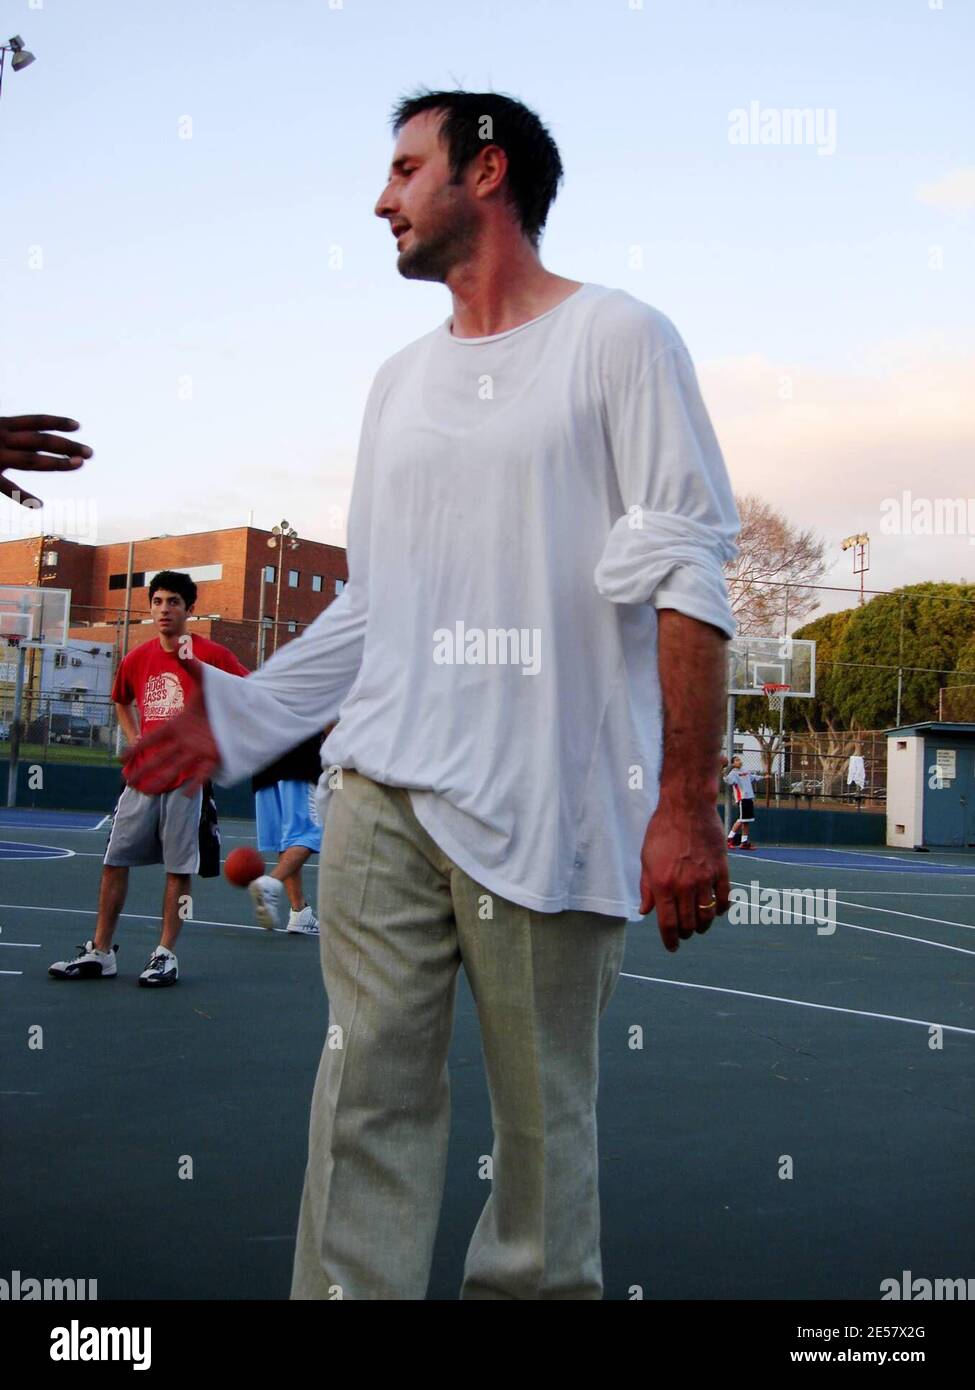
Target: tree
(959, 698)
(823, 712)
(776, 563)
(821, 715)
(921, 628)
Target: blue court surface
(51, 820)
(887, 861)
(786, 1108)
(23, 849)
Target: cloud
(901, 418)
(954, 190)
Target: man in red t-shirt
(163, 828)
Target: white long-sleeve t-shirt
(522, 506)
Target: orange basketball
(242, 866)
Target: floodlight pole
(284, 536)
(730, 741)
(260, 617)
(15, 727)
(900, 665)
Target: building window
(292, 627)
(117, 581)
(270, 574)
(201, 572)
(60, 659)
(339, 585)
(316, 583)
(292, 579)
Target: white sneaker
(88, 964)
(269, 899)
(162, 969)
(304, 923)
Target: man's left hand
(684, 871)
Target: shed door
(949, 808)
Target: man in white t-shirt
(740, 783)
(528, 662)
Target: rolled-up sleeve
(679, 523)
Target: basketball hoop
(775, 694)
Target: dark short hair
(534, 166)
(174, 583)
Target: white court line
(103, 822)
(132, 916)
(915, 916)
(957, 870)
(307, 868)
(902, 936)
(28, 945)
(897, 893)
(855, 926)
(37, 858)
(872, 854)
(865, 907)
(11, 972)
(801, 1003)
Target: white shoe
(304, 923)
(162, 969)
(268, 897)
(88, 964)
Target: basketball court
(846, 1058)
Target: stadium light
(22, 57)
(285, 536)
(860, 545)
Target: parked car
(62, 728)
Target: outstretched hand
(183, 750)
(26, 444)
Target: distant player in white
(741, 784)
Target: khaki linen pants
(397, 920)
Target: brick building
(235, 571)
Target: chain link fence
(833, 769)
(59, 728)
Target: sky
(190, 264)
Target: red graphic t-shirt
(158, 682)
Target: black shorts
(746, 808)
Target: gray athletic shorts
(163, 829)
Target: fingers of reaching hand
(38, 422)
(17, 494)
(25, 443)
(177, 752)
